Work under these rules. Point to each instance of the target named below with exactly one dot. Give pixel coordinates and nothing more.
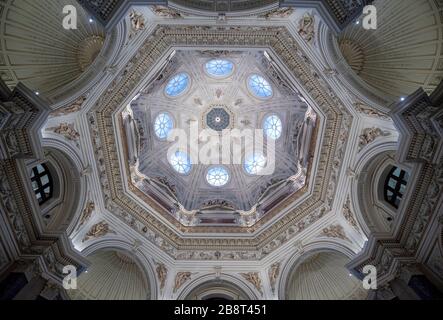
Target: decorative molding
(23, 114)
(162, 274)
(98, 230)
(254, 278)
(306, 27)
(335, 231)
(137, 21)
(87, 213)
(67, 130)
(278, 13)
(166, 12)
(180, 279)
(74, 107)
(363, 108)
(369, 135)
(349, 215)
(273, 273)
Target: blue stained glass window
(255, 163)
(259, 86)
(273, 127)
(181, 162)
(163, 124)
(217, 176)
(219, 67)
(177, 84)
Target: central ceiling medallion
(218, 118)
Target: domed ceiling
(403, 53)
(248, 78)
(35, 48)
(211, 92)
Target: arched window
(42, 183)
(395, 186)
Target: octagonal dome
(212, 109)
(140, 187)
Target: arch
(69, 190)
(317, 246)
(226, 281)
(68, 163)
(373, 213)
(140, 257)
(314, 263)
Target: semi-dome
(403, 53)
(38, 51)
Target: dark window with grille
(42, 183)
(395, 186)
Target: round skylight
(255, 163)
(219, 68)
(217, 176)
(163, 124)
(259, 86)
(273, 127)
(181, 162)
(177, 85)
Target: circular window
(219, 68)
(255, 163)
(259, 86)
(273, 127)
(217, 176)
(181, 162)
(177, 85)
(163, 125)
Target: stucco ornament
(307, 27)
